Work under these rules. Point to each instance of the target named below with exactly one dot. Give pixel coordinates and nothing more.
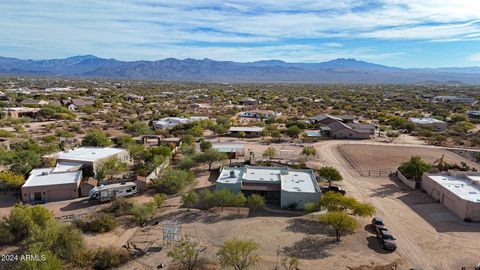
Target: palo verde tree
(340, 222)
(209, 157)
(329, 174)
(186, 252)
(269, 153)
(239, 254)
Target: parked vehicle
(377, 224)
(387, 240)
(335, 189)
(110, 192)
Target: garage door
(58, 195)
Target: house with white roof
(46, 184)
(435, 124)
(248, 131)
(282, 186)
(87, 159)
(170, 122)
(458, 191)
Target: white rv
(110, 192)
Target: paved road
(422, 242)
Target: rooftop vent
(232, 174)
(44, 173)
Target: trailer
(106, 193)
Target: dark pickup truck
(335, 189)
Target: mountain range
(335, 71)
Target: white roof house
(88, 154)
(438, 125)
(458, 191)
(246, 129)
(47, 177)
(228, 148)
(295, 186)
(169, 122)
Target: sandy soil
(375, 157)
(428, 235)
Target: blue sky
(403, 33)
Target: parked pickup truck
(335, 189)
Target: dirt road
(429, 237)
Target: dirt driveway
(429, 236)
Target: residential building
(282, 186)
(340, 130)
(76, 103)
(435, 124)
(33, 102)
(249, 131)
(249, 102)
(473, 114)
(46, 184)
(233, 150)
(87, 159)
(454, 99)
(17, 112)
(457, 191)
(326, 119)
(260, 114)
(170, 122)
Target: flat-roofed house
(249, 131)
(473, 114)
(170, 122)
(249, 102)
(17, 112)
(282, 186)
(435, 124)
(260, 114)
(87, 159)
(46, 184)
(233, 150)
(34, 102)
(457, 191)
(454, 99)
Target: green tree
(269, 153)
(159, 199)
(96, 139)
(340, 222)
(255, 201)
(293, 131)
(189, 199)
(242, 134)
(209, 157)
(139, 128)
(111, 167)
(238, 254)
(173, 181)
(186, 252)
(186, 163)
(414, 168)
(329, 174)
(205, 145)
(290, 263)
(11, 180)
(142, 213)
(336, 202)
(308, 151)
(125, 141)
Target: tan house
(457, 191)
(340, 130)
(46, 185)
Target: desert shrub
(107, 258)
(173, 181)
(159, 199)
(120, 207)
(100, 224)
(141, 213)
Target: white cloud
(475, 58)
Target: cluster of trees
(221, 198)
(25, 155)
(145, 160)
(100, 224)
(140, 212)
(173, 181)
(340, 212)
(60, 245)
(56, 112)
